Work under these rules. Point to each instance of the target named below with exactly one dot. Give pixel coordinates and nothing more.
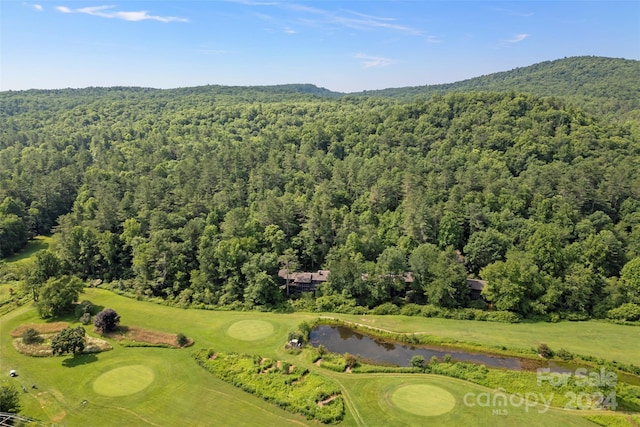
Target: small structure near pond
(294, 343)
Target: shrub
(504, 317)
(418, 361)
(85, 319)
(322, 350)
(545, 351)
(107, 320)
(431, 311)
(69, 340)
(31, 336)
(411, 310)
(85, 307)
(181, 340)
(629, 312)
(564, 354)
(350, 360)
(386, 308)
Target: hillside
(600, 85)
(200, 200)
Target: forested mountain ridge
(201, 202)
(601, 85)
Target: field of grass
(38, 243)
(165, 387)
(13, 267)
(378, 400)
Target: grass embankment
(38, 243)
(14, 267)
(179, 393)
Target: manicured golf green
(161, 387)
(423, 399)
(250, 330)
(124, 381)
(374, 401)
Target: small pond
(340, 339)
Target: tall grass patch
(292, 388)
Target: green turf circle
(250, 330)
(423, 399)
(124, 381)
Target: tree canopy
(69, 340)
(200, 196)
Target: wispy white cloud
(37, 7)
(314, 16)
(289, 30)
(433, 40)
(517, 38)
(109, 12)
(373, 61)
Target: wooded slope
(201, 200)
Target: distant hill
(600, 85)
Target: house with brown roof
(303, 281)
(475, 288)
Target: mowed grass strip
(250, 330)
(124, 381)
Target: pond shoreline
(528, 360)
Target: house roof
(304, 276)
(407, 277)
(476, 284)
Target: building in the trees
(304, 281)
(475, 288)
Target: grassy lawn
(38, 243)
(164, 387)
(379, 400)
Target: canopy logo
(587, 390)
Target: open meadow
(163, 386)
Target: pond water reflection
(340, 339)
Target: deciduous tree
(58, 296)
(69, 340)
(107, 320)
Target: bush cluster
(294, 389)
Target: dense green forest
(604, 86)
(200, 195)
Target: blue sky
(345, 46)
